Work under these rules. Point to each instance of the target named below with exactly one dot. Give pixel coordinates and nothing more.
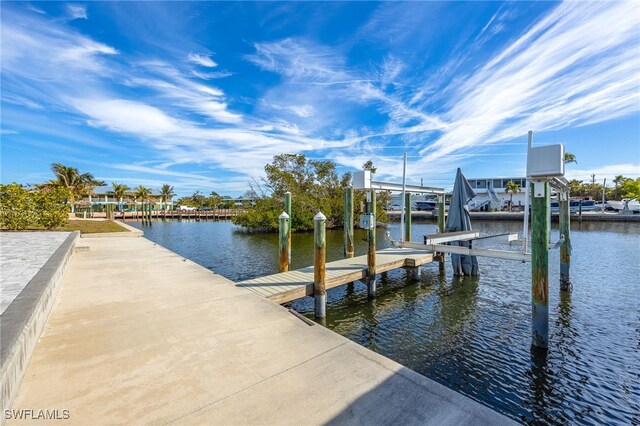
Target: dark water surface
(473, 335)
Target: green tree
(144, 194)
(166, 194)
(24, 209)
(511, 188)
(77, 184)
(50, 209)
(17, 210)
(569, 158)
(631, 189)
(369, 166)
(198, 199)
(120, 190)
(314, 186)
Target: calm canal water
(473, 335)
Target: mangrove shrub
(24, 209)
(314, 185)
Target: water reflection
(474, 335)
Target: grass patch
(91, 226)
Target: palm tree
(119, 191)
(511, 188)
(166, 194)
(73, 181)
(143, 193)
(569, 158)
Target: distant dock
(291, 285)
(586, 216)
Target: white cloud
(127, 116)
(203, 60)
(211, 75)
(576, 66)
(304, 111)
(77, 11)
(602, 172)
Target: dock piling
(407, 218)
(565, 248)
(349, 250)
(540, 264)
(283, 242)
(441, 225)
(287, 209)
(319, 267)
(371, 254)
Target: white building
(492, 191)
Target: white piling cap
(319, 216)
(284, 215)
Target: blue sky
(202, 95)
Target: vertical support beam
(371, 253)
(287, 209)
(407, 219)
(441, 225)
(565, 248)
(349, 250)
(540, 264)
(283, 242)
(580, 211)
(319, 258)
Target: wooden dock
(287, 286)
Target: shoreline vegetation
(315, 186)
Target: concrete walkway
(140, 335)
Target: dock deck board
(287, 286)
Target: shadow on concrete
(408, 398)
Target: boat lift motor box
(362, 180)
(546, 161)
(367, 221)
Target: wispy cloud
(77, 11)
(203, 60)
(574, 67)
(211, 75)
(608, 171)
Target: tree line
(314, 186)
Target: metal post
(348, 223)
(580, 211)
(540, 264)
(525, 226)
(287, 209)
(283, 242)
(441, 225)
(565, 248)
(319, 258)
(404, 205)
(407, 220)
(371, 254)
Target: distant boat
(634, 205)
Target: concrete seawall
(141, 335)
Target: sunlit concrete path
(140, 335)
